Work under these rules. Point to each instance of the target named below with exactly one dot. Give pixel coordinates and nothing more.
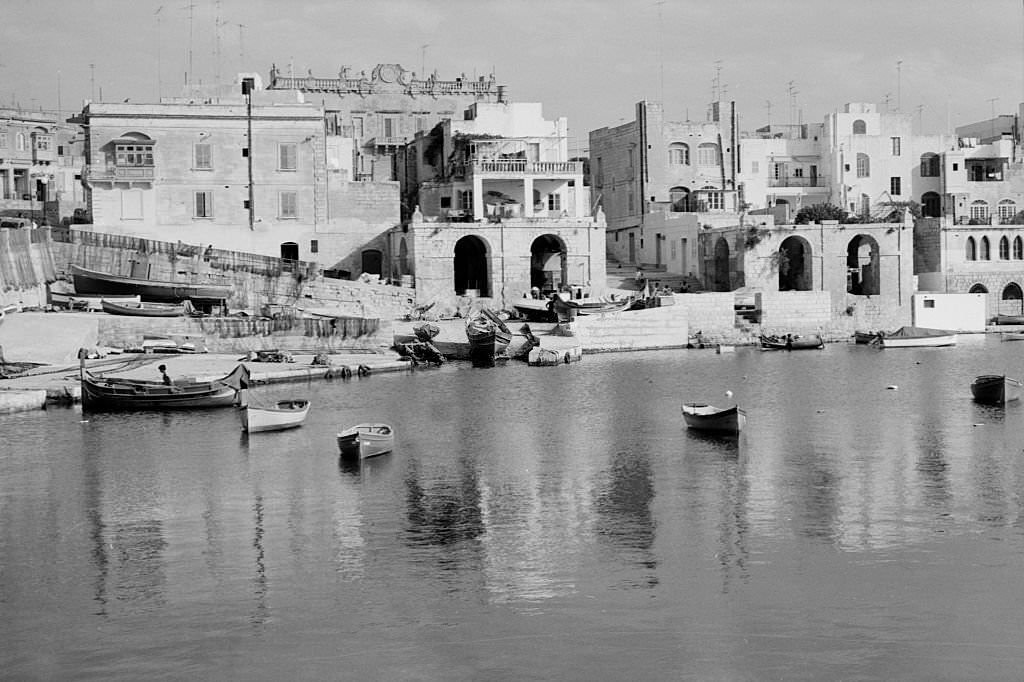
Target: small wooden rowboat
(704, 417)
(118, 393)
(995, 389)
(284, 414)
(792, 342)
(143, 309)
(366, 440)
(918, 337)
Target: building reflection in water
(623, 519)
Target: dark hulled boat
(117, 393)
(100, 283)
(995, 389)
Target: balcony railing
(108, 173)
(798, 182)
(386, 142)
(524, 167)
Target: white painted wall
(958, 312)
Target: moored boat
(100, 283)
(995, 389)
(487, 334)
(284, 414)
(864, 337)
(792, 342)
(1008, 319)
(704, 417)
(534, 309)
(1012, 336)
(366, 440)
(143, 309)
(918, 337)
(118, 393)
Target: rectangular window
(203, 205)
(755, 167)
(630, 203)
(446, 202)
(390, 126)
(288, 205)
(895, 145)
(554, 202)
(929, 303)
(133, 155)
(630, 152)
(716, 201)
(466, 200)
(357, 127)
(202, 158)
(894, 186)
(599, 176)
(3, 141)
(286, 156)
(314, 245)
(43, 143)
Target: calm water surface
(535, 524)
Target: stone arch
(1013, 292)
(722, 270)
(931, 205)
(796, 270)
(681, 199)
(289, 251)
(549, 263)
(978, 289)
(471, 267)
(862, 266)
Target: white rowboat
(366, 440)
(284, 414)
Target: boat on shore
(366, 440)
(918, 337)
(1012, 336)
(1008, 319)
(143, 309)
(792, 342)
(119, 393)
(704, 417)
(284, 414)
(487, 334)
(535, 309)
(99, 283)
(995, 389)
(567, 308)
(865, 337)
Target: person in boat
(163, 375)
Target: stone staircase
(623, 276)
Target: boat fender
(364, 370)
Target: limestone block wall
(795, 311)
(240, 335)
(713, 314)
(652, 328)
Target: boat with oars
(283, 414)
(704, 417)
(995, 389)
(366, 440)
(488, 335)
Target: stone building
(383, 109)
(499, 209)
(40, 171)
(250, 172)
(660, 181)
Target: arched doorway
(549, 263)
(290, 251)
(796, 272)
(1012, 300)
(721, 269)
(862, 278)
(372, 262)
(470, 266)
(931, 205)
(680, 198)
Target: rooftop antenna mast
(159, 65)
(241, 46)
(216, 43)
(793, 92)
(188, 74)
(716, 84)
(661, 53)
(423, 60)
(768, 106)
(899, 95)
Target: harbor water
(535, 524)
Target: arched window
(1018, 248)
(679, 154)
(931, 205)
(860, 127)
(707, 154)
(1004, 249)
(972, 249)
(986, 251)
(929, 165)
(863, 165)
(1006, 209)
(19, 142)
(979, 211)
(978, 289)
(1012, 292)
